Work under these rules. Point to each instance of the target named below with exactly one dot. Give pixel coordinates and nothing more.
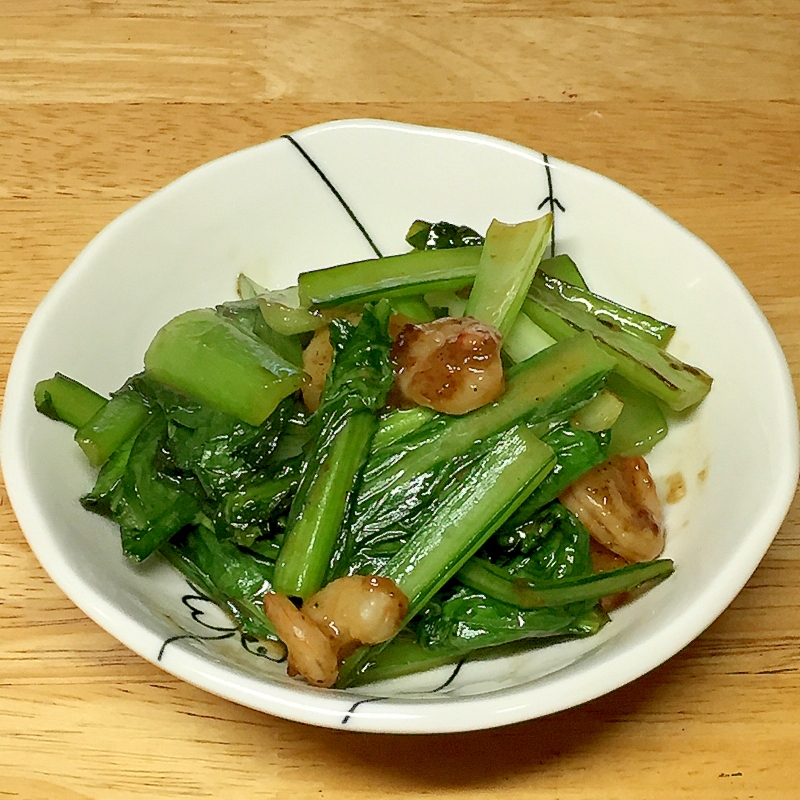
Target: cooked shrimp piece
(618, 504)
(451, 365)
(603, 560)
(317, 360)
(334, 622)
(356, 610)
(310, 652)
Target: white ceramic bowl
(268, 212)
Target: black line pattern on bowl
(552, 201)
(335, 192)
(352, 710)
(249, 642)
(452, 677)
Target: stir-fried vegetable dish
(399, 462)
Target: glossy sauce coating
(452, 365)
(618, 503)
(334, 622)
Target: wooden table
(694, 105)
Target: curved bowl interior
(266, 212)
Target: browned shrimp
(618, 504)
(317, 360)
(310, 652)
(318, 357)
(356, 610)
(339, 618)
(452, 364)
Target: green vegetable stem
(638, 350)
(548, 386)
(355, 390)
(466, 517)
(114, 423)
(210, 358)
(508, 262)
(394, 276)
(503, 585)
(66, 400)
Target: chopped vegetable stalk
(563, 268)
(558, 295)
(210, 358)
(114, 423)
(598, 414)
(485, 497)
(642, 362)
(399, 423)
(395, 276)
(290, 321)
(67, 400)
(356, 388)
(549, 322)
(641, 425)
(525, 339)
(317, 514)
(472, 510)
(508, 262)
(507, 587)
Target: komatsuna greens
(210, 458)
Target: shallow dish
(348, 190)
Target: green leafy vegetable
(640, 356)
(66, 400)
(149, 506)
(210, 458)
(112, 425)
(395, 276)
(233, 578)
(441, 236)
(400, 478)
(499, 583)
(208, 357)
(356, 388)
(641, 425)
(469, 513)
(509, 259)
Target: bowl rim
(396, 715)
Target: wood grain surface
(694, 104)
